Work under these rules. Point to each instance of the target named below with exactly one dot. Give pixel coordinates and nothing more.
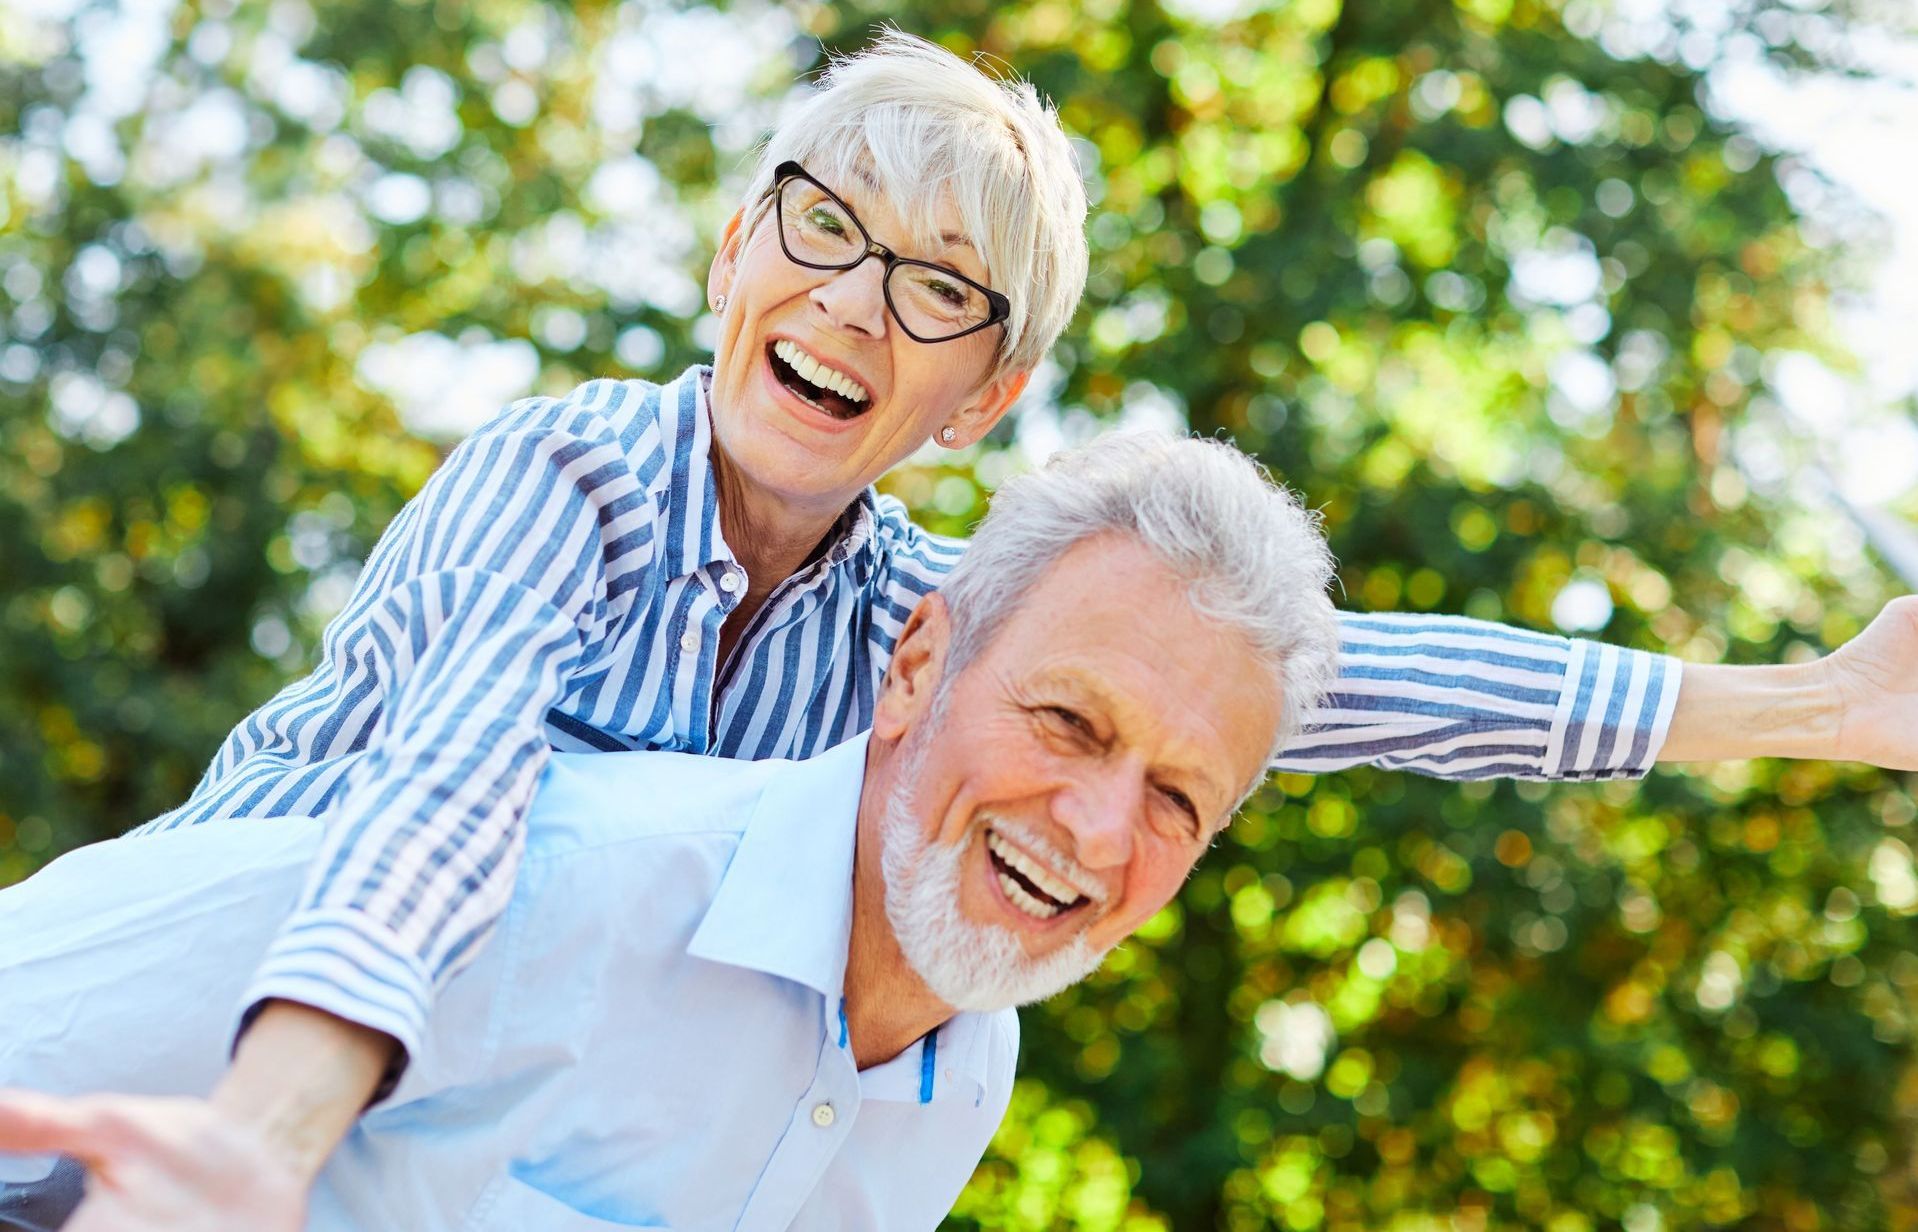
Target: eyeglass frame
(999, 308)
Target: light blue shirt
(656, 1039)
(562, 583)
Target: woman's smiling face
(817, 391)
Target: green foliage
(1492, 297)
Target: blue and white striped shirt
(560, 583)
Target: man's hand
(1874, 679)
(160, 1165)
(1859, 703)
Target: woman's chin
(761, 446)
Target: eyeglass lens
(932, 302)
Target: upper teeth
(818, 373)
(1026, 902)
(1029, 868)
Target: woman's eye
(825, 220)
(952, 295)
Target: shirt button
(689, 643)
(730, 583)
(822, 1115)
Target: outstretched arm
(1859, 703)
(1467, 699)
(158, 932)
(472, 612)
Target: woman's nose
(855, 298)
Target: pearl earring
(719, 305)
(948, 436)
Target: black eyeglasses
(932, 303)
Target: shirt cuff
(1613, 713)
(349, 966)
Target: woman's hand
(242, 1161)
(160, 1165)
(1874, 680)
(1859, 703)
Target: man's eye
(1179, 800)
(1070, 718)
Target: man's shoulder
(589, 803)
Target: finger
(87, 1128)
(33, 1123)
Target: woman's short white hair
(1252, 555)
(923, 127)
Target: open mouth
(1030, 888)
(835, 393)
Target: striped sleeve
(1466, 699)
(916, 563)
(477, 604)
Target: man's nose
(855, 298)
(1100, 810)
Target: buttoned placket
(792, 600)
(713, 592)
(822, 1121)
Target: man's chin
(994, 973)
(971, 966)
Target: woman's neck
(773, 537)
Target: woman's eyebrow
(951, 239)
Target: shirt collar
(685, 422)
(784, 908)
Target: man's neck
(887, 1005)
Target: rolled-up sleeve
(1466, 699)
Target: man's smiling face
(1065, 781)
(817, 390)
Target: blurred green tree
(1490, 280)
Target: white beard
(972, 967)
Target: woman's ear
(719, 276)
(918, 665)
(987, 407)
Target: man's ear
(986, 408)
(719, 276)
(918, 665)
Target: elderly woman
(703, 566)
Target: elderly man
(749, 995)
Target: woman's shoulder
(640, 415)
(909, 549)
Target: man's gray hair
(919, 126)
(1253, 557)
